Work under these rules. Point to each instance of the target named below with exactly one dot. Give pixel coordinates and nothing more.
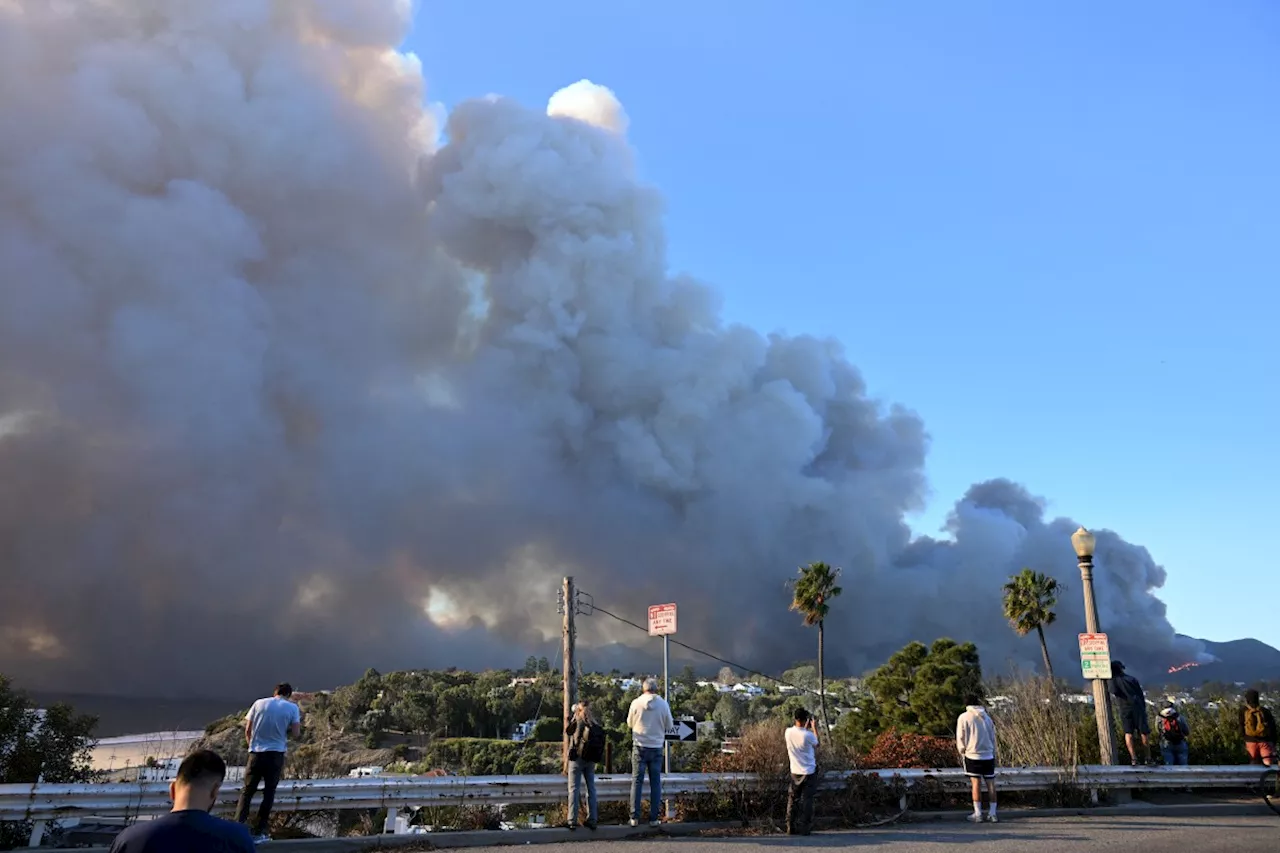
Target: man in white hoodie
(649, 718)
(976, 742)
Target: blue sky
(1052, 229)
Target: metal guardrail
(42, 802)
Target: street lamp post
(1083, 541)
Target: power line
(746, 669)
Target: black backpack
(593, 749)
(1172, 730)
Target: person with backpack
(586, 749)
(1174, 732)
(1259, 727)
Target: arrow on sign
(682, 731)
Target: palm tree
(811, 594)
(1029, 598)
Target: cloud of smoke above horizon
(289, 388)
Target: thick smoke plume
(288, 388)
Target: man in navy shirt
(189, 828)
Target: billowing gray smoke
(287, 390)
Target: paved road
(1050, 835)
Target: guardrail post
(37, 833)
(389, 825)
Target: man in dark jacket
(586, 745)
(1131, 704)
(1259, 727)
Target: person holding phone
(586, 749)
(802, 751)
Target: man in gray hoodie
(976, 743)
(648, 718)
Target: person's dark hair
(972, 698)
(1116, 667)
(802, 716)
(284, 690)
(1251, 698)
(203, 766)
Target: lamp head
(1083, 541)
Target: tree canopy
(812, 591)
(922, 689)
(56, 746)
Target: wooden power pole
(570, 664)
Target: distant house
(522, 682)
(166, 770)
(366, 771)
(523, 731)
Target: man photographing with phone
(802, 751)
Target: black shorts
(982, 768)
(1133, 720)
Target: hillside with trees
(53, 744)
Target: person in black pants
(802, 745)
(1131, 705)
(267, 727)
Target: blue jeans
(578, 771)
(1175, 753)
(646, 759)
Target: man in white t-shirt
(267, 727)
(802, 746)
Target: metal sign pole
(666, 689)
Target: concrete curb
(494, 838)
(1240, 809)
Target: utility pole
(568, 604)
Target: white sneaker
(975, 818)
(655, 823)
(635, 822)
(992, 819)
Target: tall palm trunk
(1044, 650)
(822, 683)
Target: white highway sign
(1095, 656)
(662, 619)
